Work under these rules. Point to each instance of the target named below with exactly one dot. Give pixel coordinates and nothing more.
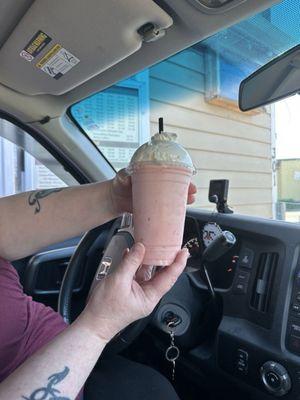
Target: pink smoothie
(159, 207)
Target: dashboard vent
(264, 281)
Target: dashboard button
(296, 308)
(242, 276)
(295, 330)
(242, 367)
(246, 258)
(241, 282)
(242, 361)
(273, 380)
(242, 355)
(240, 288)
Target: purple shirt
(25, 325)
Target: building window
(117, 119)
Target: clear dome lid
(162, 149)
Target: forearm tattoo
(35, 197)
(49, 392)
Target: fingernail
(123, 175)
(137, 246)
(186, 252)
(126, 251)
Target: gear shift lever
(219, 246)
(216, 249)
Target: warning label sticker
(35, 45)
(57, 62)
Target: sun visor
(58, 45)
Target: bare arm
(62, 367)
(59, 369)
(30, 221)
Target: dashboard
(257, 341)
(197, 237)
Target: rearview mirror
(276, 80)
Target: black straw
(160, 125)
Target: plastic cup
(159, 206)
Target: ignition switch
(169, 318)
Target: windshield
(196, 91)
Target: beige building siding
(223, 143)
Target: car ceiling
(102, 36)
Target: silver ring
(169, 349)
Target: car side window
(27, 165)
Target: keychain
(172, 353)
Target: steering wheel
(119, 237)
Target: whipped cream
(162, 149)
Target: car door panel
(41, 274)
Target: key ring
(170, 326)
(168, 353)
(172, 352)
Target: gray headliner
(11, 12)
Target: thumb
(163, 280)
(123, 176)
(132, 261)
